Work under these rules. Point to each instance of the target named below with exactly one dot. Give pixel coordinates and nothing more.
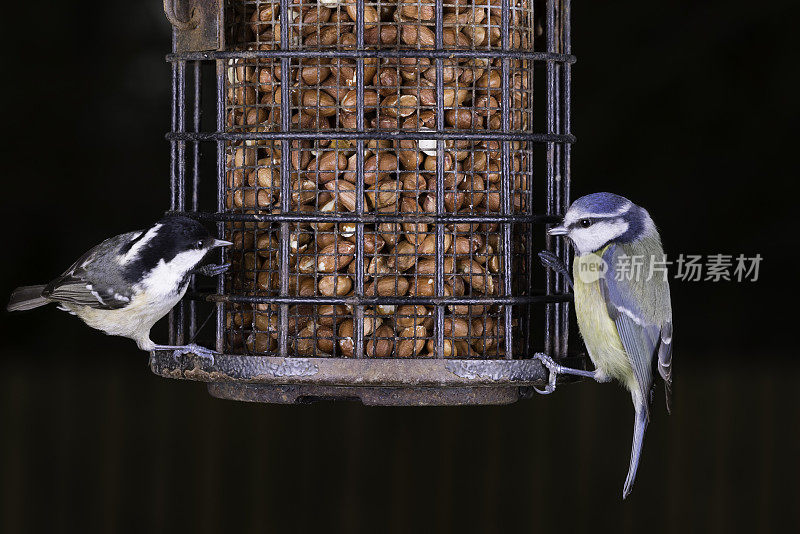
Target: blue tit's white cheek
(165, 278)
(590, 239)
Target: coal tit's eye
(585, 223)
(199, 245)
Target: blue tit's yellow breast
(597, 329)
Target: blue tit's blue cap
(602, 204)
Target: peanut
(333, 257)
(335, 285)
(410, 341)
(382, 343)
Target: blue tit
(622, 302)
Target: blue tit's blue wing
(665, 361)
(627, 306)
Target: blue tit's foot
(557, 369)
(179, 350)
(551, 261)
(212, 269)
(552, 367)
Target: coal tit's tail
(26, 298)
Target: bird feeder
(385, 170)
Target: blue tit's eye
(585, 223)
(199, 245)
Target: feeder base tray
(375, 382)
(407, 396)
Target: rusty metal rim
(392, 135)
(350, 372)
(550, 57)
(380, 300)
(321, 216)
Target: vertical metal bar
(196, 144)
(506, 181)
(559, 284)
(566, 96)
(358, 311)
(529, 251)
(558, 150)
(221, 97)
(181, 146)
(286, 77)
(195, 181)
(173, 171)
(530, 175)
(551, 207)
(221, 77)
(440, 146)
(180, 316)
(173, 177)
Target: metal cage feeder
(376, 167)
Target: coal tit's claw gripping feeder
(385, 170)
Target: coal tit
(128, 282)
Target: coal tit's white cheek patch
(165, 277)
(589, 239)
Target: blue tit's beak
(557, 230)
(220, 243)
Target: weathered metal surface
(353, 372)
(376, 396)
(197, 24)
(389, 382)
(519, 371)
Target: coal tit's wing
(87, 281)
(85, 293)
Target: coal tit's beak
(557, 230)
(220, 243)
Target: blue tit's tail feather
(639, 426)
(26, 298)
(668, 393)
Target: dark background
(684, 107)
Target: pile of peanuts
(399, 258)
